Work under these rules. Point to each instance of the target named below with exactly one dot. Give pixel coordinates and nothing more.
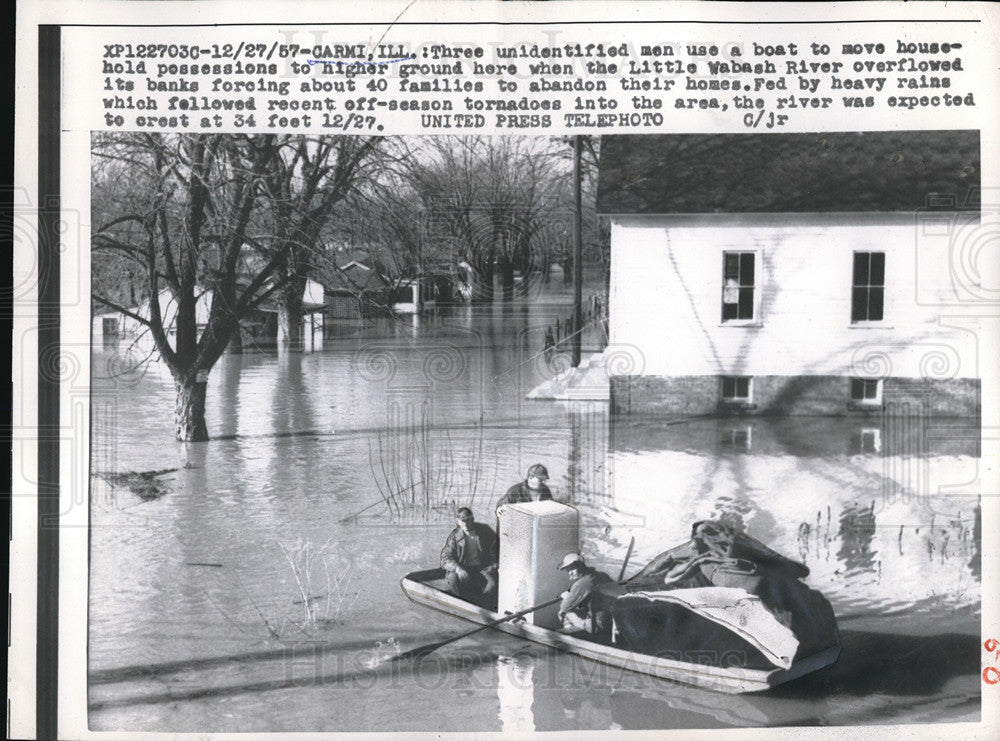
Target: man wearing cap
(586, 607)
(532, 489)
(470, 561)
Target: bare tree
(309, 178)
(494, 197)
(173, 210)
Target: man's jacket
(455, 551)
(591, 593)
(521, 493)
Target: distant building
(426, 293)
(260, 328)
(355, 291)
(791, 273)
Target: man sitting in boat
(470, 561)
(585, 608)
(532, 489)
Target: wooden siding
(666, 295)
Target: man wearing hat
(532, 489)
(470, 561)
(586, 607)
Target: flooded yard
(248, 594)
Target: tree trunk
(507, 278)
(290, 318)
(235, 345)
(568, 270)
(189, 413)
(482, 283)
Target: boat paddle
(421, 651)
(628, 555)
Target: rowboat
(739, 627)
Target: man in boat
(470, 561)
(532, 489)
(586, 607)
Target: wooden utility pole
(577, 251)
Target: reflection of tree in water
(857, 530)
(976, 562)
(733, 511)
(815, 538)
(573, 467)
(737, 509)
(954, 539)
(588, 450)
(291, 410)
(230, 370)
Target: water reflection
(227, 380)
(857, 530)
(291, 404)
(976, 560)
(516, 693)
(868, 524)
(369, 444)
(736, 439)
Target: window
(866, 390)
(736, 389)
(737, 286)
(868, 288)
(870, 440)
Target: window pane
(743, 387)
(861, 268)
(731, 267)
(877, 277)
(746, 269)
(857, 389)
(746, 303)
(875, 296)
(729, 311)
(859, 304)
(871, 389)
(728, 388)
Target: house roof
(356, 276)
(881, 171)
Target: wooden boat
(428, 588)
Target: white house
(111, 327)
(791, 273)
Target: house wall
(666, 310)
(313, 292)
(130, 329)
(797, 394)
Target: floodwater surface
(252, 586)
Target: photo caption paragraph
(324, 81)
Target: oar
(628, 555)
(421, 651)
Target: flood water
(331, 474)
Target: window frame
(867, 287)
(864, 400)
(755, 287)
(739, 440)
(744, 401)
(875, 435)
